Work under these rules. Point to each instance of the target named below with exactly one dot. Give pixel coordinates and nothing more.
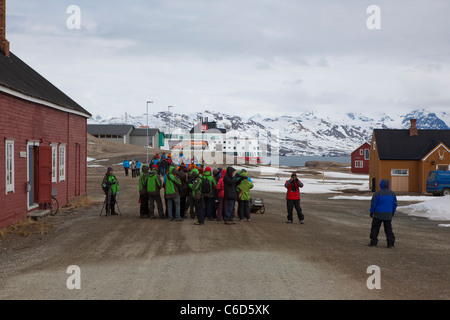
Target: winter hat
(109, 169)
(208, 169)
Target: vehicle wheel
(446, 192)
(54, 206)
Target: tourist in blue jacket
(382, 209)
(126, 166)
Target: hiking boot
(289, 221)
(301, 221)
(198, 223)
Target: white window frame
(9, 169)
(55, 157)
(400, 172)
(359, 164)
(361, 152)
(62, 162)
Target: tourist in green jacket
(195, 187)
(154, 186)
(243, 190)
(110, 186)
(172, 194)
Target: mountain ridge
(309, 134)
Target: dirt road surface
(125, 257)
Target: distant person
(138, 167)
(293, 186)
(133, 169)
(126, 166)
(110, 186)
(382, 208)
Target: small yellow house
(405, 156)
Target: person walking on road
(293, 186)
(126, 166)
(382, 208)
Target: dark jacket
(230, 184)
(383, 203)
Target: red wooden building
(360, 159)
(43, 139)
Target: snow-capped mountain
(310, 133)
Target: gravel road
(125, 257)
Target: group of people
(134, 166)
(207, 194)
(213, 195)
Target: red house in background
(43, 139)
(360, 159)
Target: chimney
(413, 131)
(4, 44)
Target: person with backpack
(195, 186)
(243, 188)
(143, 194)
(172, 194)
(154, 185)
(209, 187)
(184, 178)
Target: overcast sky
(239, 56)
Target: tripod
(107, 204)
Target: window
(9, 145)
(366, 154)
(54, 161)
(62, 162)
(361, 152)
(374, 145)
(399, 172)
(359, 164)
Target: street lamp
(168, 111)
(147, 129)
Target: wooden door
(400, 184)
(45, 174)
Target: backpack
(206, 186)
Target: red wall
(356, 156)
(24, 121)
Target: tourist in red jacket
(293, 186)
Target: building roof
(17, 76)
(365, 145)
(397, 144)
(210, 125)
(143, 132)
(119, 129)
(109, 129)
